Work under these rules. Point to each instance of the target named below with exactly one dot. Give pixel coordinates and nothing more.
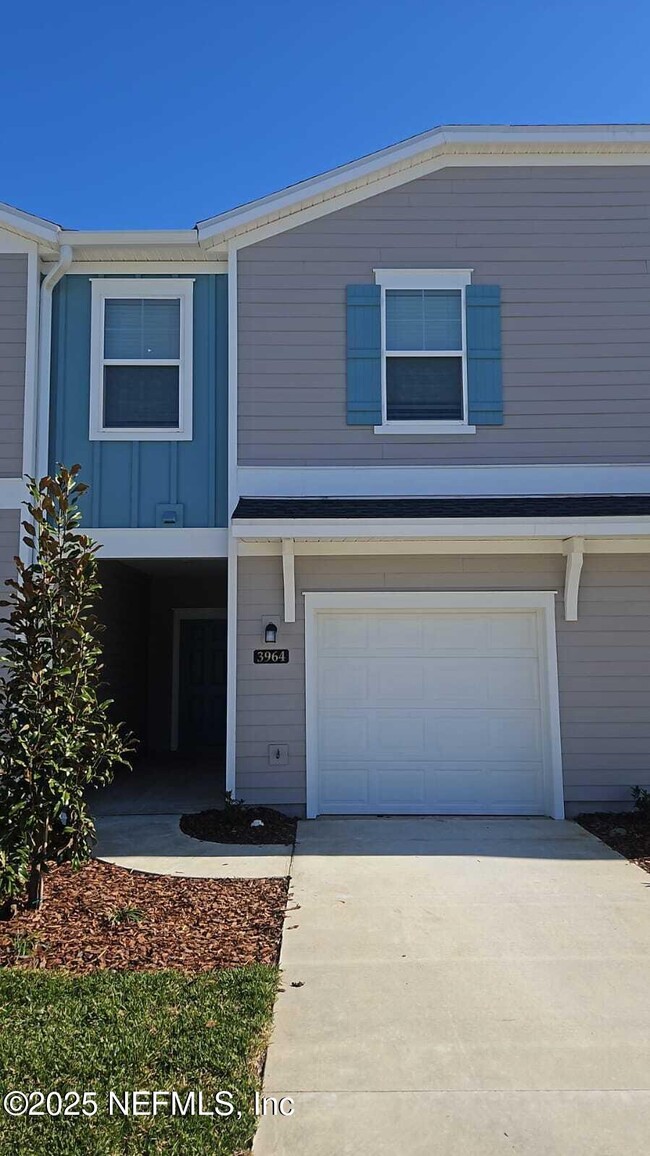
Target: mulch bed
(104, 916)
(233, 825)
(627, 832)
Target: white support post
(574, 550)
(289, 580)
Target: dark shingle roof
(563, 506)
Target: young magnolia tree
(56, 739)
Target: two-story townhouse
(375, 451)
(114, 354)
(443, 469)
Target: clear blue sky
(152, 114)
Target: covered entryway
(165, 665)
(432, 703)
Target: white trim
(27, 226)
(574, 550)
(231, 671)
(31, 364)
(540, 601)
(104, 289)
(180, 614)
(425, 427)
(289, 580)
(119, 268)
(423, 278)
(111, 238)
(442, 528)
(355, 547)
(456, 280)
(441, 481)
(159, 542)
(13, 492)
(43, 386)
(233, 449)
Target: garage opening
(165, 667)
(432, 704)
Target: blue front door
(202, 684)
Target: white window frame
(423, 279)
(103, 289)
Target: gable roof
(28, 226)
(431, 150)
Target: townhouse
(369, 463)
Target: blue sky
(152, 114)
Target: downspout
(45, 358)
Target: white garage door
(429, 712)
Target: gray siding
(9, 545)
(604, 668)
(570, 248)
(13, 329)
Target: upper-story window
(141, 360)
(424, 370)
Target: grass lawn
(127, 1031)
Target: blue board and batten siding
(130, 479)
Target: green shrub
(56, 739)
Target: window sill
(140, 435)
(425, 427)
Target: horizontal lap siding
(604, 669)
(13, 329)
(570, 249)
(9, 546)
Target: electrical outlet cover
(278, 754)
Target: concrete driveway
(461, 987)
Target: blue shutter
(363, 354)
(484, 389)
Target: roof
(569, 506)
(441, 147)
(436, 148)
(27, 225)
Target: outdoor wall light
(270, 632)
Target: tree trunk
(36, 877)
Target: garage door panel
(400, 680)
(344, 633)
(396, 787)
(455, 634)
(404, 734)
(345, 788)
(343, 735)
(512, 633)
(512, 680)
(398, 633)
(341, 681)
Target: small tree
(56, 739)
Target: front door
(202, 684)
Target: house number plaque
(270, 657)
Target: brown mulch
(189, 924)
(627, 832)
(233, 825)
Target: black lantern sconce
(270, 632)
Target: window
(141, 360)
(424, 387)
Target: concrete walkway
(463, 987)
(156, 844)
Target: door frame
(541, 602)
(179, 614)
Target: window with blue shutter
(483, 324)
(424, 353)
(363, 354)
